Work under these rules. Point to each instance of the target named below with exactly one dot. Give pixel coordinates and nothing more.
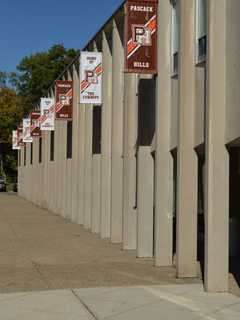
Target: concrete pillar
(75, 153)
(35, 170)
(106, 140)
(129, 162)
(57, 155)
(145, 202)
(81, 162)
(217, 157)
(96, 194)
(88, 167)
(117, 136)
(187, 162)
(63, 192)
(45, 171)
(163, 157)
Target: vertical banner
(47, 114)
(91, 78)
(15, 145)
(35, 125)
(64, 100)
(141, 36)
(27, 130)
(20, 136)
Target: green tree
(38, 71)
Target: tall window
(40, 150)
(25, 155)
(19, 158)
(31, 153)
(97, 123)
(52, 143)
(69, 140)
(175, 36)
(201, 29)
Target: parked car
(3, 185)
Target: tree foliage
(39, 70)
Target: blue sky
(28, 26)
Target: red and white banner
(91, 78)
(47, 117)
(26, 130)
(141, 36)
(15, 145)
(20, 136)
(35, 125)
(64, 100)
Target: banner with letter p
(15, 145)
(91, 78)
(47, 114)
(141, 36)
(27, 130)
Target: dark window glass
(97, 120)
(69, 140)
(31, 154)
(175, 63)
(146, 111)
(25, 155)
(19, 158)
(40, 150)
(202, 47)
(52, 138)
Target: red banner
(64, 99)
(141, 36)
(35, 125)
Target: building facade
(156, 167)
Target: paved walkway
(171, 302)
(41, 251)
(44, 260)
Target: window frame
(40, 150)
(201, 38)
(52, 145)
(175, 29)
(69, 144)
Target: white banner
(47, 114)
(27, 130)
(15, 145)
(91, 78)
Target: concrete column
(187, 162)
(106, 140)
(81, 162)
(163, 158)
(145, 202)
(117, 136)
(35, 168)
(45, 171)
(96, 195)
(75, 146)
(63, 193)
(57, 155)
(69, 172)
(129, 162)
(19, 174)
(88, 167)
(41, 178)
(217, 157)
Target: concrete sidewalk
(183, 302)
(41, 251)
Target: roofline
(86, 45)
